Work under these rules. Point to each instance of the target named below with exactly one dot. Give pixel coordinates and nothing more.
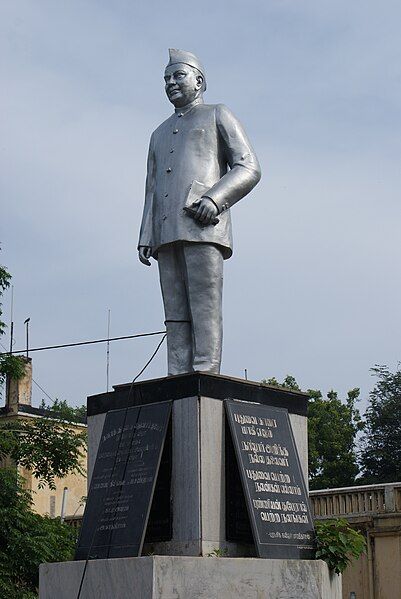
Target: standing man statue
(200, 163)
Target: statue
(200, 163)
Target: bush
(338, 544)
(27, 540)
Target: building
(374, 510)
(71, 489)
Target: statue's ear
(199, 80)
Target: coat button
(168, 170)
(166, 195)
(175, 131)
(179, 114)
(172, 150)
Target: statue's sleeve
(244, 171)
(145, 235)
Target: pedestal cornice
(197, 384)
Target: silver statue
(200, 163)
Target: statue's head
(184, 78)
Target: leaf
(337, 542)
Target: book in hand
(196, 191)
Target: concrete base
(167, 577)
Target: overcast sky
(313, 288)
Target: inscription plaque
(272, 481)
(160, 522)
(123, 482)
(238, 525)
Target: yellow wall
(77, 489)
(387, 565)
(75, 483)
(377, 575)
(356, 579)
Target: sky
(313, 288)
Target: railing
(357, 501)
(74, 521)
(347, 501)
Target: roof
(38, 412)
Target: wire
(43, 391)
(115, 458)
(149, 361)
(20, 351)
(81, 584)
(33, 380)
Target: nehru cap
(181, 56)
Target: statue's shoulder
(221, 111)
(214, 107)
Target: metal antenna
(108, 351)
(26, 322)
(246, 374)
(12, 319)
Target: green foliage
(288, 383)
(46, 447)
(338, 544)
(380, 455)
(12, 366)
(332, 431)
(5, 279)
(61, 410)
(27, 540)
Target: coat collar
(185, 109)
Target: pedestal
(167, 577)
(198, 501)
(182, 567)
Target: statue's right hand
(144, 253)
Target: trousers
(191, 280)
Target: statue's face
(183, 84)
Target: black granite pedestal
(198, 507)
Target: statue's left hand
(144, 253)
(206, 210)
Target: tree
(288, 383)
(27, 540)
(332, 436)
(46, 447)
(60, 409)
(49, 448)
(380, 455)
(333, 427)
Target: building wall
(48, 501)
(355, 579)
(387, 563)
(375, 510)
(45, 500)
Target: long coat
(206, 145)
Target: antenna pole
(12, 319)
(108, 352)
(26, 322)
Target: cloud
(311, 289)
